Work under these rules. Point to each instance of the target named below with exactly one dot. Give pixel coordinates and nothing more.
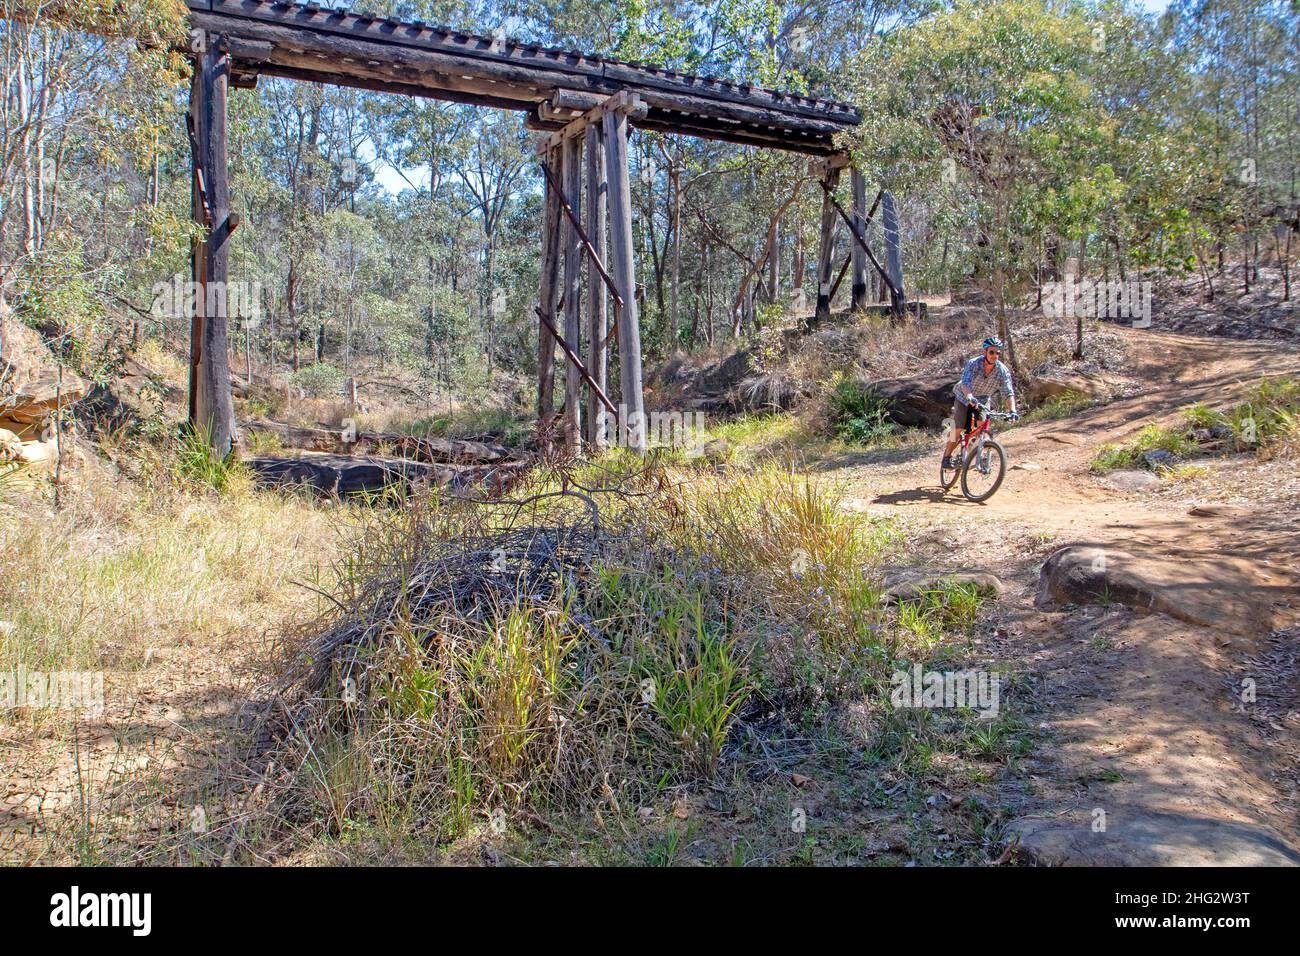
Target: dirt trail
(1153, 756)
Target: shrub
(319, 380)
(1267, 422)
(1059, 406)
(196, 465)
(857, 415)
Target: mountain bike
(980, 461)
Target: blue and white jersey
(975, 381)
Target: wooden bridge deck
(320, 44)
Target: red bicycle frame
(980, 427)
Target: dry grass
(146, 566)
(712, 614)
(723, 615)
(175, 594)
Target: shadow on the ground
(913, 496)
(900, 455)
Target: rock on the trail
(1218, 591)
(1158, 458)
(911, 585)
(1216, 510)
(1143, 837)
(1131, 480)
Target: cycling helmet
(992, 342)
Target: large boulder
(727, 374)
(34, 403)
(1137, 836)
(1219, 591)
(917, 402)
(684, 384)
(31, 388)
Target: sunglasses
(994, 352)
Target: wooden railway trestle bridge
(583, 105)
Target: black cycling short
(963, 415)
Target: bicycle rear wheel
(982, 474)
(948, 476)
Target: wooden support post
(546, 303)
(576, 364)
(213, 409)
(773, 265)
(597, 317)
(826, 248)
(623, 267)
(198, 244)
(835, 286)
(572, 178)
(859, 286)
(893, 253)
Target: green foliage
(859, 416)
(319, 380)
(1267, 422)
(1110, 457)
(61, 301)
(1270, 416)
(951, 606)
(196, 465)
(1059, 406)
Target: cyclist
(983, 377)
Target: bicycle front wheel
(983, 471)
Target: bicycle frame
(980, 429)
(977, 443)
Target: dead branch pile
(467, 577)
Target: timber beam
(623, 102)
(331, 45)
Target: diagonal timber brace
(576, 363)
(862, 241)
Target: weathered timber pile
(420, 448)
(345, 475)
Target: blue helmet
(992, 342)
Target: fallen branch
(420, 448)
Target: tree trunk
(675, 289)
